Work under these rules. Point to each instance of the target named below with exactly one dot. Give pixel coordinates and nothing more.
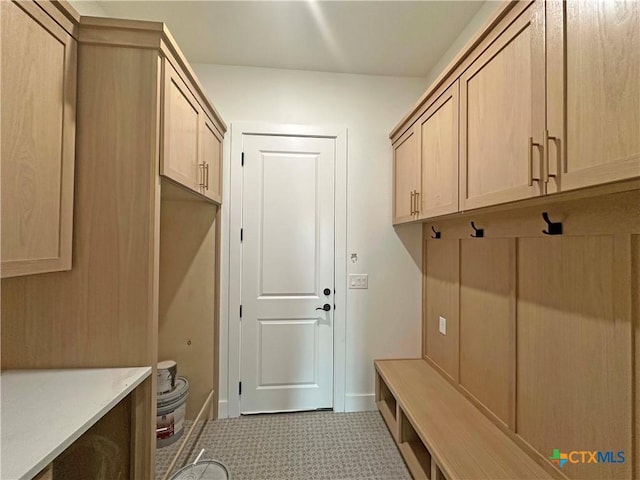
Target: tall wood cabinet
(549, 102)
(39, 59)
(144, 282)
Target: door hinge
(242, 159)
(241, 235)
(240, 388)
(240, 311)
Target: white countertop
(45, 411)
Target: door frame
(339, 134)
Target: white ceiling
(367, 37)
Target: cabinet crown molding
(147, 35)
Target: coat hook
(479, 232)
(436, 234)
(553, 228)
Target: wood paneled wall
(186, 326)
(486, 304)
(544, 339)
(441, 300)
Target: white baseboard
(223, 409)
(360, 402)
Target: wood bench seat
(440, 433)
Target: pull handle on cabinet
(557, 142)
(545, 156)
(201, 166)
(531, 177)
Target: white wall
(475, 24)
(88, 8)
(383, 321)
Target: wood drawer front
(39, 73)
(181, 120)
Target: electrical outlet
(442, 327)
(358, 280)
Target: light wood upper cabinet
(406, 177)
(39, 65)
(192, 150)
(211, 159)
(182, 117)
(593, 103)
(438, 128)
(501, 108)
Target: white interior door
(287, 273)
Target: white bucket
(167, 373)
(170, 414)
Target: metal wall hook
(478, 232)
(436, 234)
(553, 228)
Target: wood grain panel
(442, 281)
(406, 164)
(635, 308)
(574, 348)
(211, 156)
(180, 159)
(102, 313)
(487, 321)
(439, 155)
(39, 62)
(598, 215)
(187, 294)
(496, 116)
(594, 92)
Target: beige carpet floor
(296, 446)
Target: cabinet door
(406, 171)
(439, 155)
(39, 62)
(180, 158)
(211, 159)
(593, 92)
(501, 109)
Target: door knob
(326, 307)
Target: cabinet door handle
(412, 197)
(201, 166)
(206, 169)
(531, 177)
(417, 200)
(545, 161)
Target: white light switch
(443, 326)
(358, 280)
